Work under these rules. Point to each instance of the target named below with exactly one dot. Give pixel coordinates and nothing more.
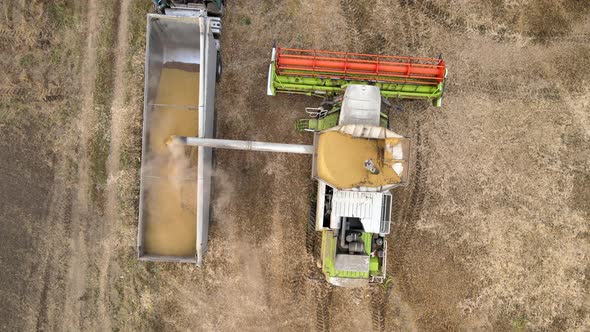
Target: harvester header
(327, 73)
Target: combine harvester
(356, 159)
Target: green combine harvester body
(360, 215)
(354, 219)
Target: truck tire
(219, 68)
(213, 154)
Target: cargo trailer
(182, 65)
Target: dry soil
(491, 234)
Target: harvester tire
(310, 233)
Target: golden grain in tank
(172, 190)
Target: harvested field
(491, 234)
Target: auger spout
(242, 145)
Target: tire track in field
(75, 278)
(411, 38)
(323, 302)
(14, 93)
(119, 114)
(379, 299)
(365, 39)
(308, 268)
(310, 232)
(454, 24)
(5, 14)
(16, 39)
(417, 197)
(411, 207)
(506, 90)
(48, 314)
(408, 204)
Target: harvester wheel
(328, 104)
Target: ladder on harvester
(315, 122)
